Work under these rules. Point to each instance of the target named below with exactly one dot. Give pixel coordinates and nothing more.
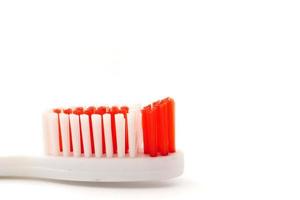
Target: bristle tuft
(111, 131)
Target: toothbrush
(104, 144)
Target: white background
(232, 67)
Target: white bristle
(75, 129)
(139, 130)
(97, 133)
(46, 133)
(54, 133)
(135, 107)
(131, 134)
(120, 132)
(107, 135)
(65, 133)
(86, 137)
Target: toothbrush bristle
(108, 131)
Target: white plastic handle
(140, 168)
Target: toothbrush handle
(140, 168)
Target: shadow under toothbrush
(120, 185)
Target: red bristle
(156, 103)
(146, 119)
(171, 122)
(70, 137)
(162, 146)
(157, 121)
(124, 110)
(114, 110)
(160, 131)
(172, 125)
(89, 111)
(148, 107)
(145, 130)
(67, 111)
(163, 127)
(79, 111)
(102, 110)
(57, 111)
(152, 134)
